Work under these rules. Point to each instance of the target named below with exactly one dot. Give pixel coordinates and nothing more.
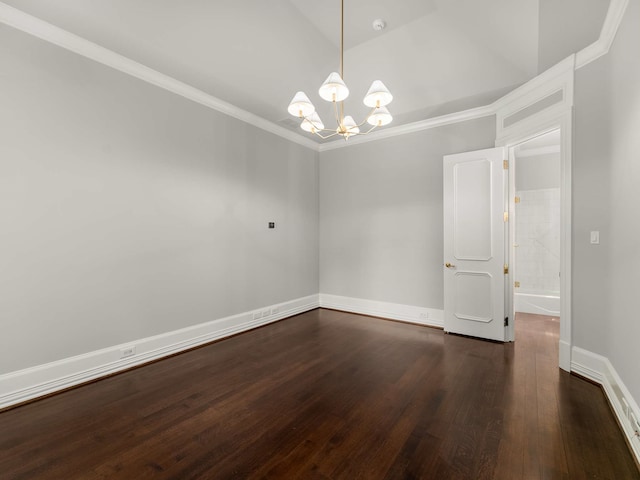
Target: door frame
(531, 128)
(543, 104)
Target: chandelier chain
(342, 39)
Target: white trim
(393, 311)
(38, 28)
(527, 92)
(558, 78)
(531, 127)
(565, 121)
(28, 384)
(600, 370)
(564, 355)
(608, 33)
(589, 365)
(434, 122)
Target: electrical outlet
(265, 313)
(127, 351)
(424, 316)
(625, 407)
(274, 310)
(257, 315)
(635, 424)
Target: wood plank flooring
(329, 395)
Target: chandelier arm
(324, 137)
(333, 132)
(369, 131)
(367, 118)
(364, 133)
(316, 130)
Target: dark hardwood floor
(329, 395)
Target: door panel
(474, 227)
(472, 210)
(473, 296)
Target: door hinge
(516, 200)
(506, 269)
(516, 284)
(506, 216)
(505, 164)
(506, 321)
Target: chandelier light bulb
(378, 95)
(380, 117)
(333, 89)
(301, 106)
(349, 127)
(312, 124)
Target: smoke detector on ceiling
(379, 24)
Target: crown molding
(45, 31)
(462, 116)
(29, 24)
(608, 33)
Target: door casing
(530, 128)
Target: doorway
(535, 227)
(558, 145)
(541, 106)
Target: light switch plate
(595, 237)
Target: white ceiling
(436, 56)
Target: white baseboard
(34, 382)
(394, 311)
(600, 370)
(537, 304)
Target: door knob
(449, 265)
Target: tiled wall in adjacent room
(538, 241)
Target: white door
(474, 243)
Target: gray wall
(128, 211)
(606, 179)
(567, 26)
(381, 227)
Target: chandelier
(335, 91)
